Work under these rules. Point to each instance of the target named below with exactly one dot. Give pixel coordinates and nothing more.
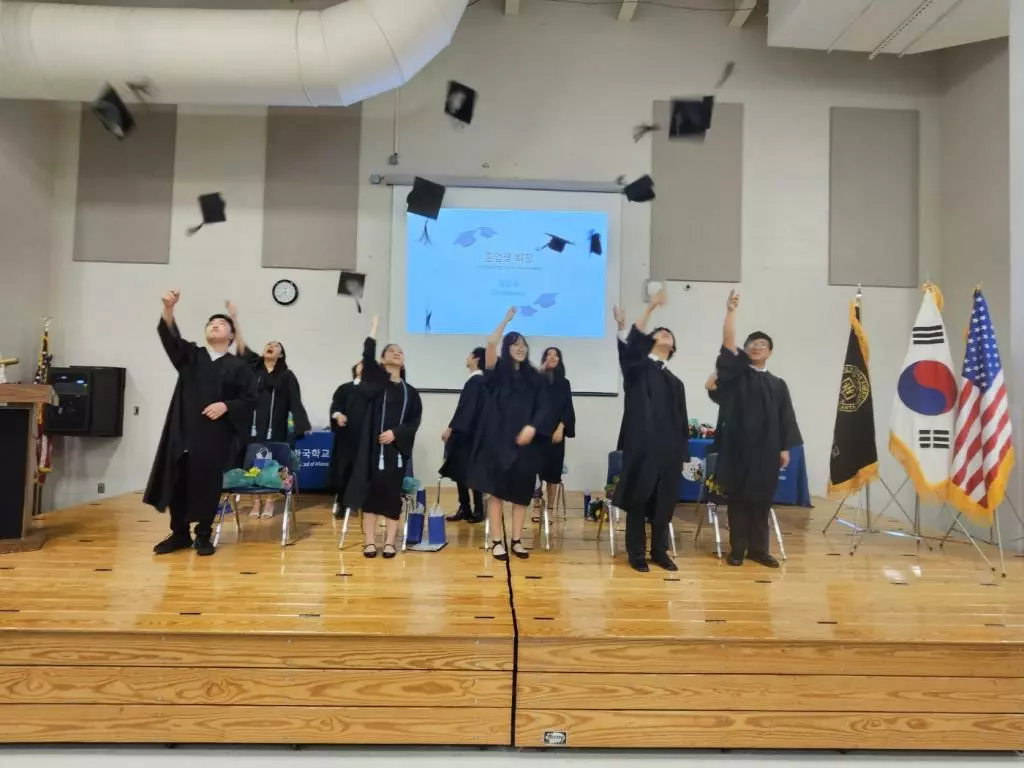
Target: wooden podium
(18, 411)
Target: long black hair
(558, 372)
(506, 363)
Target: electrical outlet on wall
(101, 487)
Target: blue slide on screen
(466, 269)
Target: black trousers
(657, 512)
(478, 499)
(195, 497)
(748, 528)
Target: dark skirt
(514, 484)
(384, 496)
(553, 460)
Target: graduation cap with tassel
(424, 199)
(212, 207)
(353, 284)
(689, 117)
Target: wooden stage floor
(893, 648)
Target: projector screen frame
(397, 294)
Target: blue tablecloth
(314, 453)
(793, 489)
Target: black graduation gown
(458, 451)
(278, 395)
(654, 437)
(349, 399)
(553, 454)
(757, 423)
(371, 488)
(212, 446)
(515, 398)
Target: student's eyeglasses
(758, 345)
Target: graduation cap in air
(690, 118)
(556, 243)
(212, 207)
(640, 191)
(424, 199)
(352, 284)
(112, 113)
(595, 243)
(460, 102)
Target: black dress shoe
(734, 560)
(460, 514)
(664, 561)
(173, 543)
(763, 558)
(639, 565)
(475, 518)
(204, 546)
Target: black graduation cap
(556, 243)
(113, 113)
(595, 243)
(690, 118)
(460, 102)
(425, 197)
(640, 191)
(352, 284)
(212, 207)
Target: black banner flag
(854, 461)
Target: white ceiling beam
(511, 7)
(741, 12)
(627, 9)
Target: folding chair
(704, 497)
(408, 502)
(545, 514)
(230, 497)
(613, 518)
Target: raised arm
(658, 300)
(729, 326)
(177, 348)
(372, 372)
(241, 349)
(491, 354)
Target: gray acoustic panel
(874, 208)
(123, 206)
(311, 192)
(697, 216)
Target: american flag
(983, 444)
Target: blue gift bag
(416, 519)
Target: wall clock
(285, 292)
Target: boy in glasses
(758, 428)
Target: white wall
(561, 89)
(27, 145)
(1016, 280)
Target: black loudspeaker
(90, 401)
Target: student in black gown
(560, 406)
(458, 439)
(758, 429)
(279, 394)
(385, 443)
(348, 409)
(505, 461)
(654, 440)
(207, 421)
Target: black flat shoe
(173, 543)
(460, 514)
(519, 550)
(389, 551)
(640, 565)
(763, 558)
(370, 551)
(499, 556)
(733, 560)
(664, 561)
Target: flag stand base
(870, 527)
(995, 540)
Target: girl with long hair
(505, 458)
(560, 406)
